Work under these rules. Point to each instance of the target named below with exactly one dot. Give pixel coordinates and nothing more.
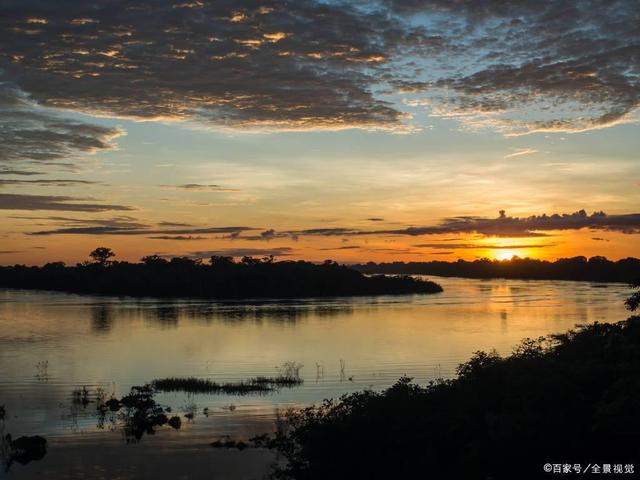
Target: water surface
(53, 343)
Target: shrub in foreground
(569, 399)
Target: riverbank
(594, 269)
(568, 399)
(218, 279)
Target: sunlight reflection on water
(53, 343)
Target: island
(218, 278)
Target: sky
(386, 130)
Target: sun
(507, 254)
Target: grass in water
(288, 377)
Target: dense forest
(594, 269)
(568, 401)
(220, 278)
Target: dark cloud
(500, 226)
(47, 182)
(9, 171)
(534, 65)
(506, 226)
(515, 65)
(265, 235)
(49, 202)
(127, 227)
(243, 63)
(174, 224)
(348, 247)
(461, 246)
(242, 252)
(119, 221)
(375, 219)
(177, 237)
(31, 133)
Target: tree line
(220, 277)
(594, 269)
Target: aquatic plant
(175, 422)
(256, 385)
(81, 396)
(137, 413)
(229, 443)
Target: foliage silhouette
(220, 278)
(571, 399)
(594, 269)
(101, 255)
(633, 302)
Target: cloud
(47, 182)
(31, 133)
(201, 188)
(49, 202)
(532, 65)
(177, 237)
(296, 65)
(375, 219)
(461, 246)
(500, 226)
(533, 226)
(9, 171)
(242, 252)
(518, 152)
(513, 66)
(128, 226)
(174, 224)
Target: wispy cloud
(520, 152)
(50, 202)
(242, 252)
(47, 182)
(463, 246)
(31, 133)
(177, 237)
(197, 187)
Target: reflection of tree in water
(135, 414)
(22, 450)
(169, 315)
(101, 318)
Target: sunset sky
(363, 130)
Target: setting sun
(509, 254)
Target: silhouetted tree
(633, 302)
(597, 269)
(154, 260)
(101, 255)
(220, 260)
(247, 260)
(575, 395)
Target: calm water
(53, 343)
